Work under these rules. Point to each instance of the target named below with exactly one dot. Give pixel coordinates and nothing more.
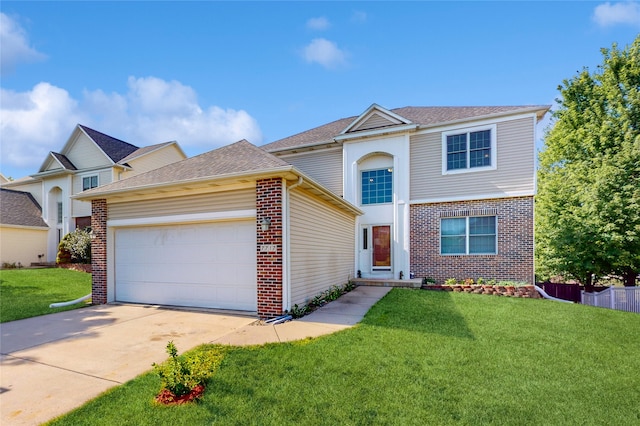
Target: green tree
(588, 203)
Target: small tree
(75, 247)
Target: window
(377, 186)
(470, 150)
(468, 235)
(89, 182)
(59, 212)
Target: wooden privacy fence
(569, 292)
(620, 298)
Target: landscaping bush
(75, 247)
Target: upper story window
(377, 186)
(89, 182)
(468, 150)
(468, 235)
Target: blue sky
(210, 73)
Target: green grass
(26, 293)
(418, 358)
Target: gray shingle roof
(19, 208)
(423, 116)
(66, 163)
(237, 158)
(114, 148)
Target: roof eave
(98, 193)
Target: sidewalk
(54, 363)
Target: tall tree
(588, 203)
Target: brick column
(269, 248)
(99, 252)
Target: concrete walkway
(54, 363)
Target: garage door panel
(204, 265)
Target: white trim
(89, 175)
(375, 132)
(298, 153)
(468, 130)
(499, 195)
(183, 218)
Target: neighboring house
(24, 232)
(87, 160)
(426, 191)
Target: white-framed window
(89, 182)
(468, 150)
(377, 186)
(468, 235)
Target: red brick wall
(514, 260)
(99, 252)
(269, 263)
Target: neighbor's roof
(19, 208)
(421, 116)
(237, 158)
(114, 148)
(145, 150)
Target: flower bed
(525, 291)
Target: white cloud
(151, 111)
(359, 16)
(320, 23)
(325, 53)
(608, 14)
(15, 46)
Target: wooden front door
(381, 236)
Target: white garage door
(210, 265)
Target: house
(417, 191)
(24, 232)
(88, 159)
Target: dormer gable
(375, 117)
(56, 162)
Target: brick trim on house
(514, 260)
(269, 197)
(99, 251)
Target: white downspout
(286, 247)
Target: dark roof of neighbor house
(422, 116)
(237, 158)
(19, 208)
(115, 149)
(62, 159)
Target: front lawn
(418, 358)
(26, 293)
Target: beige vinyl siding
(84, 154)
(514, 173)
(153, 160)
(374, 122)
(325, 167)
(23, 245)
(202, 203)
(321, 246)
(83, 208)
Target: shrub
(181, 374)
(75, 247)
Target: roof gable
(20, 208)
(115, 149)
(56, 162)
(375, 117)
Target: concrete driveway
(54, 363)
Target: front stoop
(377, 282)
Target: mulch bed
(166, 397)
